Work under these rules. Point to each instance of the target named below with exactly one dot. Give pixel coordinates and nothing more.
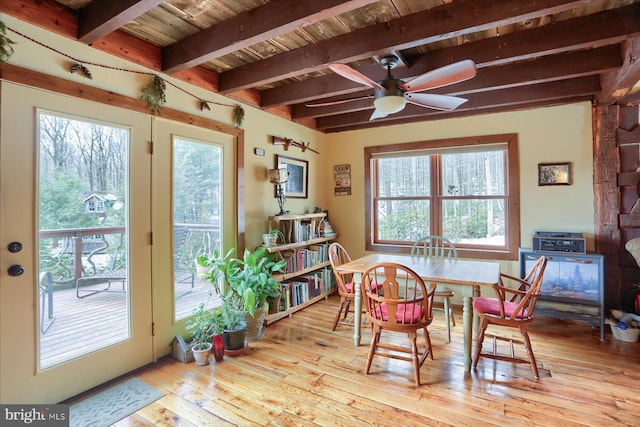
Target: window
(464, 189)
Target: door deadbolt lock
(16, 270)
(15, 247)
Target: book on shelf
(321, 252)
(285, 296)
(312, 285)
(298, 231)
(303, 258)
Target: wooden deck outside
(83, 325)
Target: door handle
(16, 270)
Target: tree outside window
(462, 189)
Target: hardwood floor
(302, 373)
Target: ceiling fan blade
(377, 114)
(342, 101)
(353, 75)
(437, 102)
(443, 76)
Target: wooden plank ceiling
(275, 54)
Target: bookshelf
(308, 277)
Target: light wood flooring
(303, 374)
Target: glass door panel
(197, 209)
(82, 192)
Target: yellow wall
(258, 125)
(553, 134)
(260, 201)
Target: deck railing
(72, 252)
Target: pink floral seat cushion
(405, 314)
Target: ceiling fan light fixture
(390, 104)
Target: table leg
(476, 319)
(357, 320)
(466, 319)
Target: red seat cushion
(492, 306)
(412, 313)
(374, 287)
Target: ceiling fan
(391, 94)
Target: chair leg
(375, 337)
(527, 344)
(427, 341)
(479, 339)
(447, 316)
(453, 318)
(414, 354)
(343, 300)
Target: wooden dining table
(467, 276)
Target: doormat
(112, 404)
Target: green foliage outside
(471, 203)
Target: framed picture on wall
(554, 173)
(296, 185)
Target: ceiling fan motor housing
(391, 88)
(391, 99)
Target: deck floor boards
(83, 325)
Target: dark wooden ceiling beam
(612, 26)
(446, 21)
(301, 111)
(573, 34)
(466, 113)
(541, 70)
(582, 86)
(253, 26)
(617, 84)
(102, 17)
(631, 99)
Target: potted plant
(246, 284)
(271, 237)
(202, 328)
(235, 327)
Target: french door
(75, 231)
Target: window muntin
(455, 188)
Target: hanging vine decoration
(84, 70)
(6, 50)
(238, 115)
(153, 93)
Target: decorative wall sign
(554, 173)
(296, 185)
(342, 180)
